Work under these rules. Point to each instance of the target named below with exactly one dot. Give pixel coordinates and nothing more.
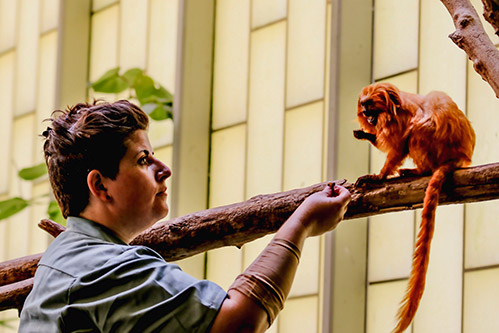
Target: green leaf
(132, 75)
(54, 213)
(161, 112)
(11, 206)
(33, 172)
(147, 92)
(110, 82)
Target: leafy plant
(154, 99)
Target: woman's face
(139, 191)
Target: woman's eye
(143, 161)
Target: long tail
(421, 256)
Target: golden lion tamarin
(438, 137)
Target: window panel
(264, 12)
(299, 315)
(406, 82)
(481, 301)
(306, 47)
(39, 239)
(7, 24)
(6, 94)
(49, 14)
(45, 103)
(442, 63)
(396, 36)
(303, 138)
(384, 300)
(160, 132)
(162, 53)
(27, 55)
(227, 166)
(230, 76)
(440, 307)
(223, 265)
(133, 32)
(266, 110)
(103, 44)
(391, 239)
(3, 235)
(99, 4)
(306, 281)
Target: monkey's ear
(394, 97)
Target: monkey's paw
(409, 172)
(368, 179)
(359, 134)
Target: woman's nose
(163, 171)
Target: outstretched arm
(258, 294)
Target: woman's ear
(96, 185)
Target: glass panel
(307, 276)
(396, 36)
(133, 32)
(162, 55)
(481, 226)
(264, 12)
(45, 103)
(299, 315)
(26, 52)
(227, 166)
(407, 82)
(391, 239)
(6, 94)
(442, 63)
(3, 236)
(230, 75)
(218, 268)
(299, 171)
(103, 44)
(99, 4)
(7, 24)
(160, 132)
(481, 301)
(39, 239)
(384, 300)
(266, 110)
(440, 308)
(306, 49)
(50, 15)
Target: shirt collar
(92, 229)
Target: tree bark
(471, 37)
(491, 13)
(243, 222)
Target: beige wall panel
(396, 25)
(49, 14)
(6, 96)
(266, 110)
(440, 307)
(307, 276)
(407, 82)
(306, 52)
(45, 102)
(442, 63)
(133, 34)
(39, 239)
(230, 75)
(481, 226)
(3, 234)
(391, 243)
(264, 12)
(382, 306)
(160, 132)
(327, 94)
(26, 53)
(11, 316)
(99, 4)
(7, 24)
(303, 146)
(299, 315)
(104, 42)
(162, 55)
(227, 166)
(223, 266)
(481, 301)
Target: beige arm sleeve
(268, 279)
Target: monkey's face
(376, 107)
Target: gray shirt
(90, 281)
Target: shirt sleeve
(139, 292)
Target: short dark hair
(85, 137)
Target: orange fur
(438, 137)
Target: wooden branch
(12, 296)
(18, 269)
(471, 37)
(243, 222)
(491, 13)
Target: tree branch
(471, 37)
(243, 222)
(491, 13)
